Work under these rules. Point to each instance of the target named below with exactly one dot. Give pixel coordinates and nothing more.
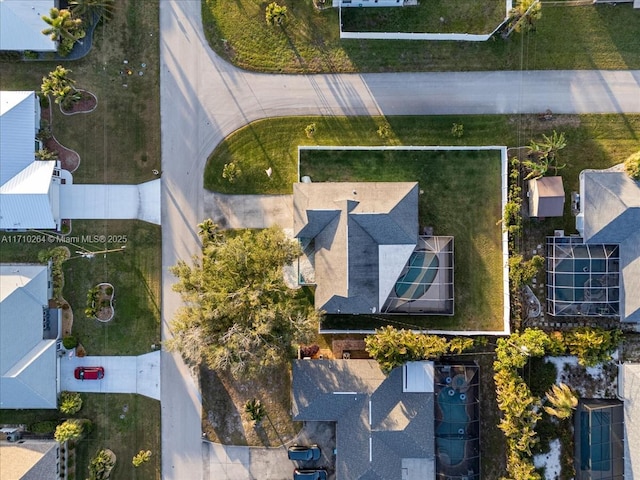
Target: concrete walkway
(85, 201)
(203, 99)
(139, 374)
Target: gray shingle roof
(611, 209)
(348, 222)
(377, 424)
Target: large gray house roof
(611, 214)
(28, 363)
(348, 222)
(381, 431)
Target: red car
(89, 373)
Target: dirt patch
(223, 417)
(535, 124)
(69, 159)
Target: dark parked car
(304, 453)
(309, 474)
(89, 373)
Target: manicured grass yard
(586, 37)
(430, 16)
(123, 432)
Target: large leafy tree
(592, 345)
(391, 347)
(238, 313)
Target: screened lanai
(582, 279)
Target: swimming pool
(420, 274)
(595, 443)
(451, 435)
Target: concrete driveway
(228, 462)
(139, 374)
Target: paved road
(203, 99)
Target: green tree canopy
(275, 14)
(391, 347)
(632, 166)
(93, 9)
(592, 345)
(238, 313)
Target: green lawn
(135, 274)
(586, 37)
(433, 16)
(123, 432)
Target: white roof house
(21, 25)
(29, 196)
(28, 361)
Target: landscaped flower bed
(100, 302)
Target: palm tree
(255, 409)
(62, 25)
(276, 14)
(563, 401)
(524, 15)
(93, 9)
(60, 86)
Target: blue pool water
(450, 433)
(423, 268)
(595, 449)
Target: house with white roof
(29, 188)
(29, 330)
(21, 25)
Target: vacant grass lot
(586, 37)
(431, 16)
(462, 197)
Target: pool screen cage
(457, 435)
(425, 285)
(599, 440)
(582, 279)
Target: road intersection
(204, 99)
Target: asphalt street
(203, 99)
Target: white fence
(505, 238)
(457, 37)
